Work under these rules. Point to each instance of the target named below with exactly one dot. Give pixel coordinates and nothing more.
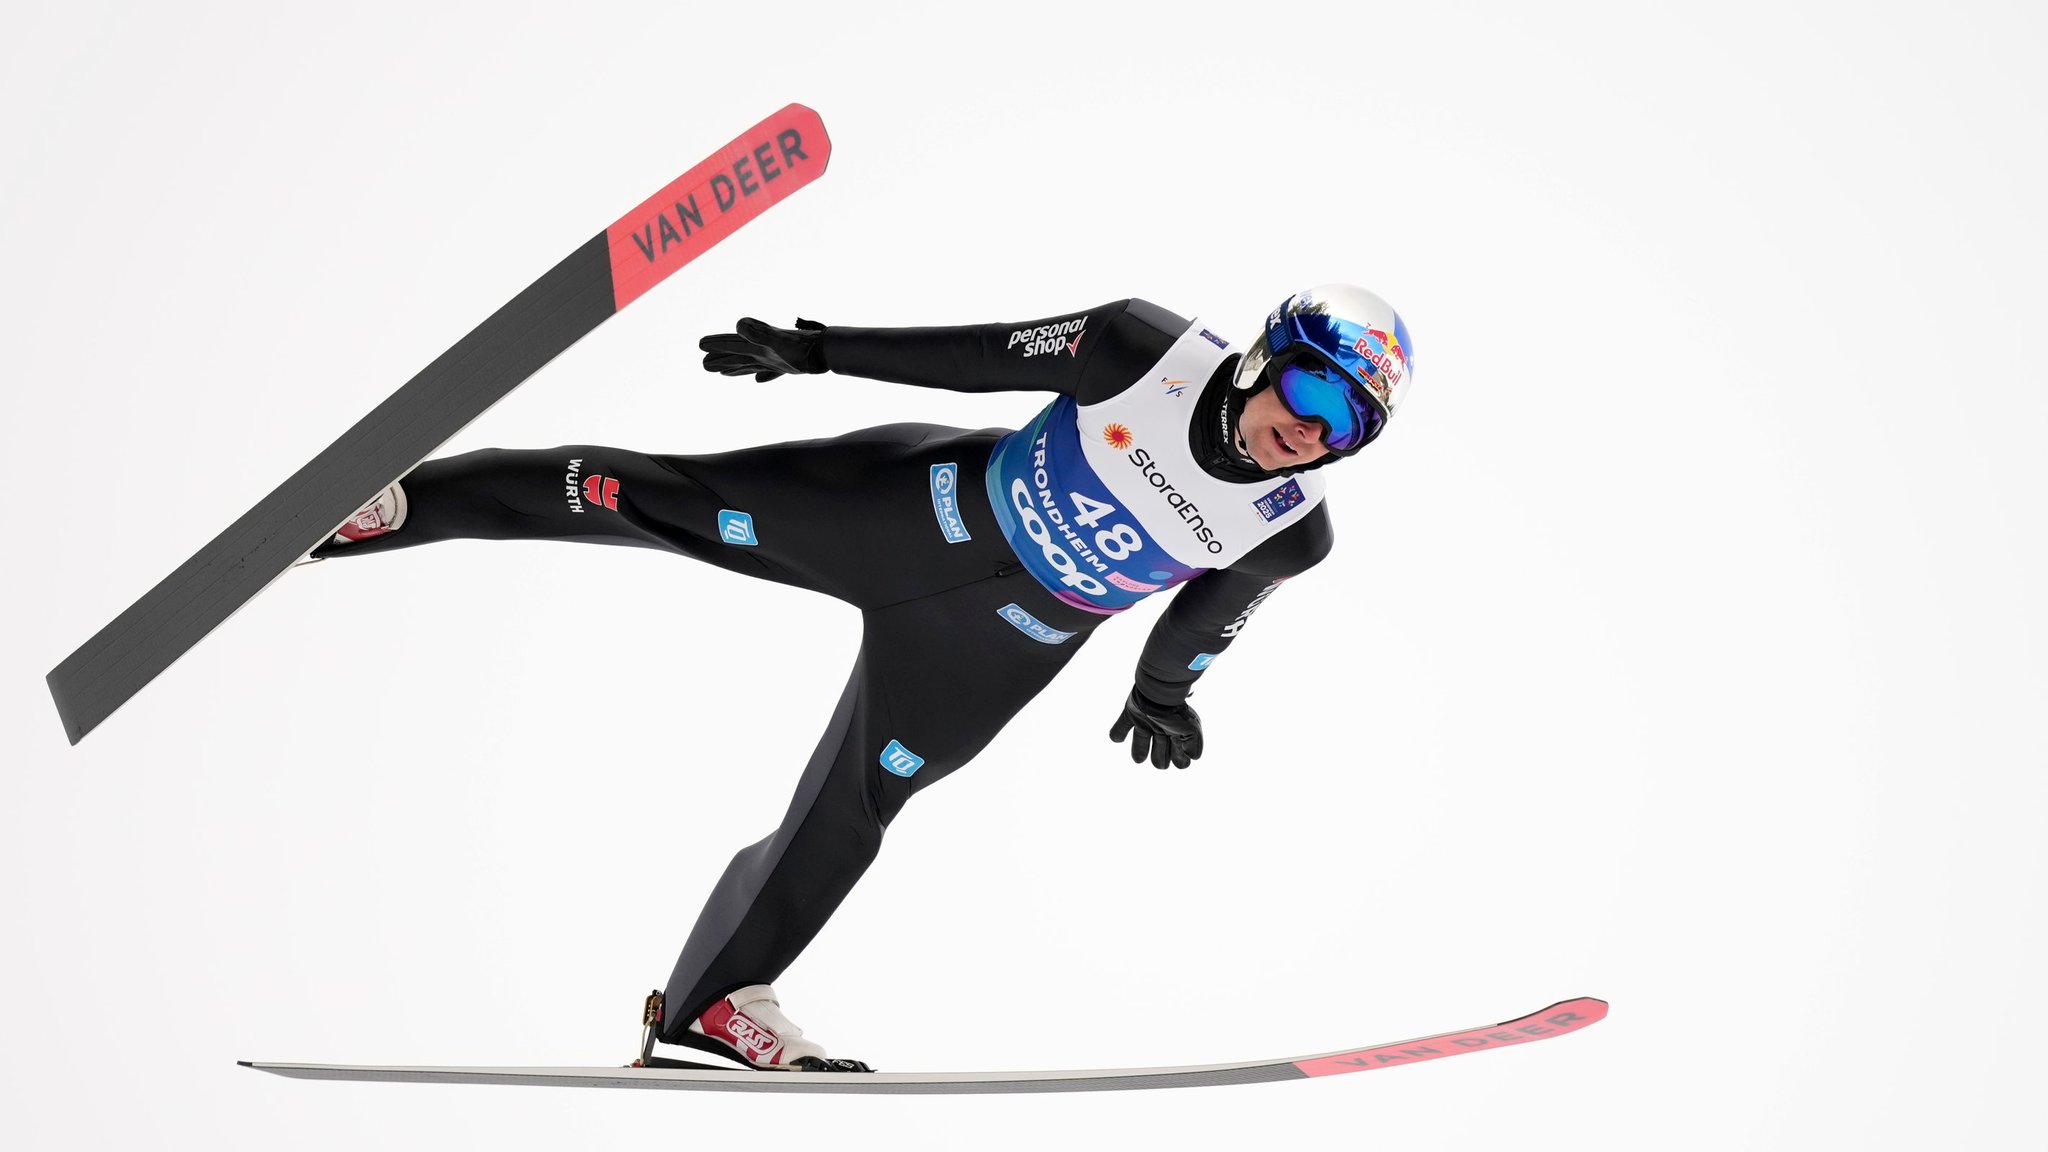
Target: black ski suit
(944, 662)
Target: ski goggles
(1314, 389)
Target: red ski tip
(761, 167)
(1556, 1020)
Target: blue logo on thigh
(1202, 661)
(900, 760)
(736, 528)
(1030, 625)
(946, 502)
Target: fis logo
(1050, 338)
(900, 760)
(1030, 625)
(736, 528)
(1280, 501)
(1173, 387)
(1117, 436)
(602, 492)
(946, 503)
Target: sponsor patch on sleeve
(946, 502)
(737, 528)
(900, 760)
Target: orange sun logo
(1119, 437)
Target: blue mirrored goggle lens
(1315, 391)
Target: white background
(1682, 645)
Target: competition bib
(1105, 503)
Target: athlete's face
(1276, 438)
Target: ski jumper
(980, 562)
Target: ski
(1556, 1020)
(758, 169)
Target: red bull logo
(1389, 361)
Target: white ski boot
(385, 513)
(751, 1023)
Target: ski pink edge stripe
(733, 185)
(1556, 1020)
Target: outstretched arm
(1087, 355)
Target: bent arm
(1209, 611)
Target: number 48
(1116, 541)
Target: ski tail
(752, 173)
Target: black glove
(1167, 731)
(765, 350)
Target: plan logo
(946, 503)
(1030, 625)
(602, 491)
(737, 528)
(900, 760)
(1050, 338)
(1117, 436)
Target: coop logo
(946, 503)
(1245, 616)
(1173, 387)
(1050, 338)
(1030, 625)
(570, 486)
(602, 492)
(1388, 359)
(737, 528)
(1176, 500)
(1117, 436)
(900, 760)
